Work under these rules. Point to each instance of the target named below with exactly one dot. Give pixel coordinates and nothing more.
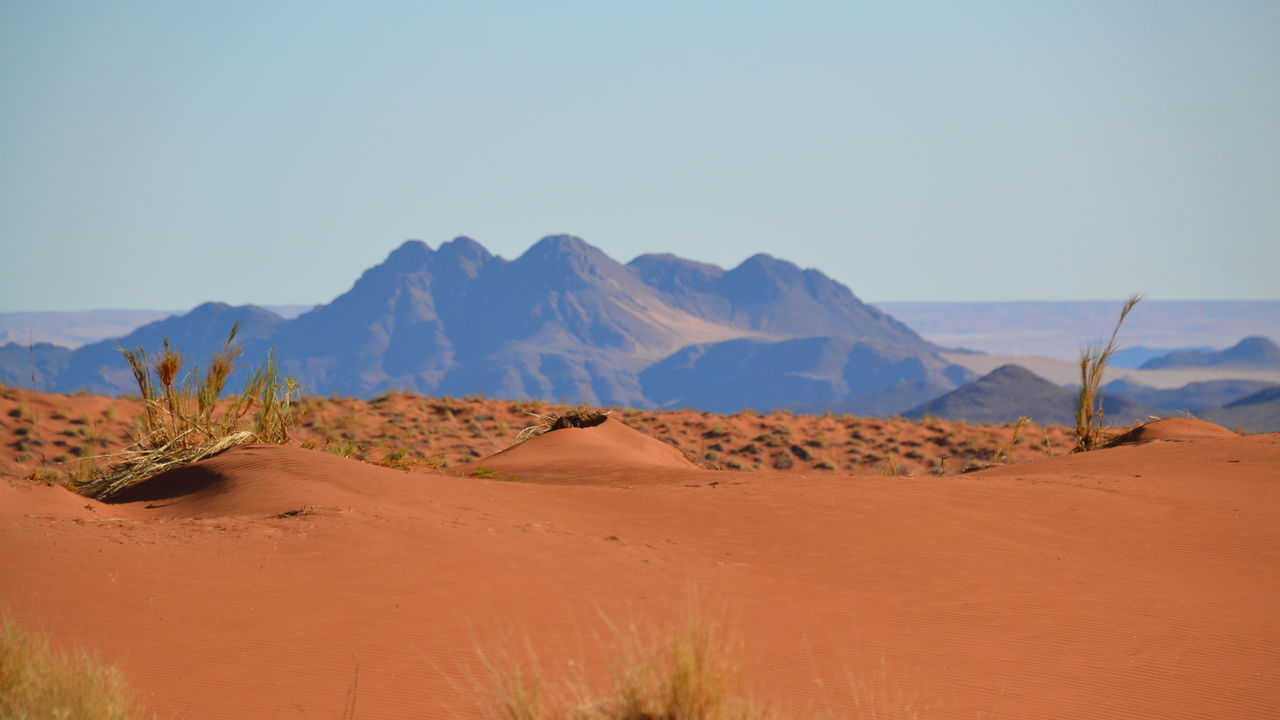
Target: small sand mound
(1174, 428)
(585, 456)
(260, 479)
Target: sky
(162, 154)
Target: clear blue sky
(160, 154)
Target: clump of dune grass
(1093, 362)
(37, 683)
(1003, 452)
(691, 675)
(579, 417)
(185, 421)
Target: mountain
(1192, 396)
(36, 366)
(800, 373)
(1134, 357)
(99, 367)
(770, 296)
(1261, 397)
(1251, 352)
(1259, 412)
(1011, 391)
(564, 321)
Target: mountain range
(563, 321)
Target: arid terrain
(858, 570)
(49, 434)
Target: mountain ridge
(561, 321)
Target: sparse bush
(37, 683)
(1093, 361)
(183, 422)
(398, 459)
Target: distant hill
(805, 373)
(1011, 391)
(1059, 329)
(1261, 397)
(1192, 396)
(1259, 412)
(99, 367)
(1251, 352)
(73, 329)
(1133, 357)
(34, 366)
(563, 321)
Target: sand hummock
(279, 581)
(1173, 428)
(607, 453)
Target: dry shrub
(37, 683)
(579, 417)
(1093, 362)
(185, 422)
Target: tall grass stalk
(185, 421)
(1093, 362)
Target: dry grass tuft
(579, 417)
(692, 675)
(37, 683)
(1093, 362)
(185, 422)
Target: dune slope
(273, 582)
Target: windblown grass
(1093, 362)
(37, 683)
(691, 675)
(183, 422)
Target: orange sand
(1134, 582)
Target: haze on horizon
(158, 155)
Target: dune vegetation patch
(692, 673)
(1093, 363)
(55, 437)
(38, 683)
(575, 417)
(186, 420)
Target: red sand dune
(1174, 428)
(608, 454)
(1134, 582)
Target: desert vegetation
(1093, 363)
(39, 683)
(70, 438)
(691, 673)
(186, 418)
